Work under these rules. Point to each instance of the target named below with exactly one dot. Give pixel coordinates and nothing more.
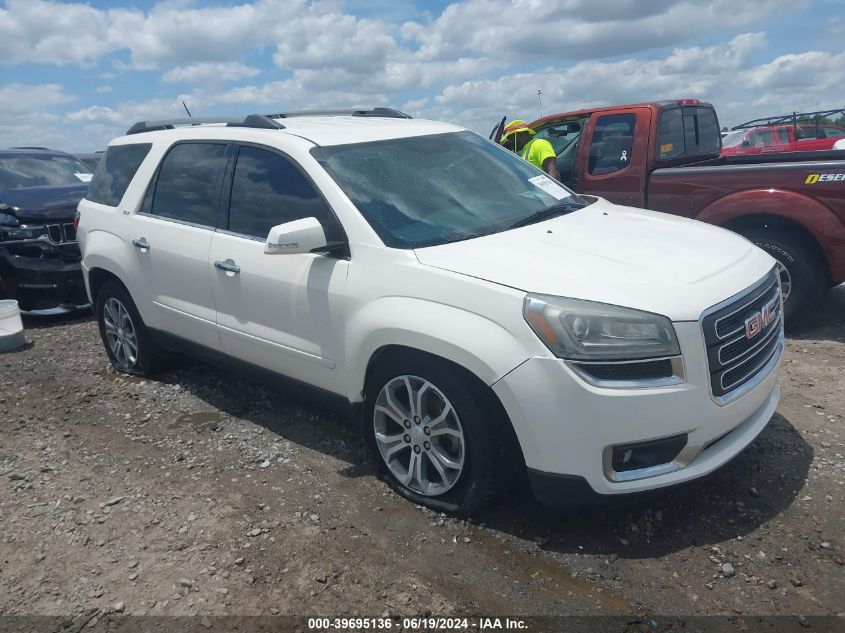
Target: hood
(43, 204)
(612, 254)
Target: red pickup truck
(665, 156)
(780, 138)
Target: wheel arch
(488, 398)
(783, 210)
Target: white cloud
(209, 73)
(579, 29)
(52, 32)
(19, 97)
(104, 89)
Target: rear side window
(268, 189)
(612, 143)
(115, 171)
(188, 184)
(688, 131)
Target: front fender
(470, 340)
(809, 213)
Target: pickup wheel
(128, 343)
(430, 435)
(801, 272)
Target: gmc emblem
(758, 322)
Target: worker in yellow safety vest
(537, 151)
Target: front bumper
(43, 281)
(568, 428)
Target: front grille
(743, 336)
(641, 370)
(64, 233)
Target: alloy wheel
(120, 333)
(419, 435)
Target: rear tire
(802, 272)
(466, 446)
(128, 343)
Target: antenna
(540, 101)
(186, 109)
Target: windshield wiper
(559, 208)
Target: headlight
(12, 231)
(586, 330)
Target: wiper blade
(560, 208)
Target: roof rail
(789, 119)
(388, 113)
(253, 120)
(47, 149)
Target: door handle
(229, 266)
(142, 243)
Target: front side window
(188, 184)
(688, 131)
(612, 143)
(33, 170)
(115, 171)
(268, 189)
(428, 190)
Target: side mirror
(746, 143)
(299, 236)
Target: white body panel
(320, 319)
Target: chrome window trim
(678, 374)
(175, 221)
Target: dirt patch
(200, 493)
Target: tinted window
(688, 131)
(268, 189)
(783, 136)
(24, 171)
(188, 186)
(612, 143)
(115, 171)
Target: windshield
(428, 190)
(21, 172)
(733, 139)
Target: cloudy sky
(73, 75)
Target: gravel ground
(198, 492)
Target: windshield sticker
(550, 187)
(83, 177)
(666, 148)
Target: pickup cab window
(688, 131)
(612, 143)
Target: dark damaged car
(39, 254)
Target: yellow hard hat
(517, 125)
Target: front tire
(128, 343)
(801, 271)
(431, 435)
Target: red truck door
(613, 155)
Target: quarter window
(115, 171)
(612, 143)
(188, 185)
(268, 189)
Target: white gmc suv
(481, 319)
